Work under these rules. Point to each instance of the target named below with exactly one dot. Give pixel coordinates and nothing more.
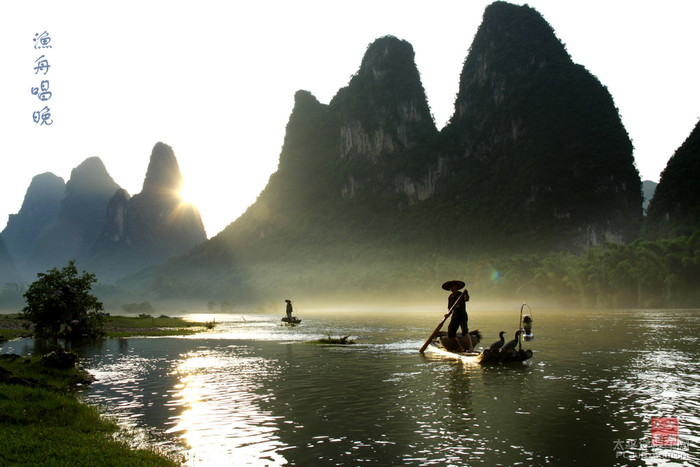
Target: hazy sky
(216, 80)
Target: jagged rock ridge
(80, 217)
(538, 141)
(369, 195)
(94, 221)
(384, 124)
(149, 227)
(535, 158)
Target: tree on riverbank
(59, 304)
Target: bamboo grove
(645, 274)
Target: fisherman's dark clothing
(289, 310)
(459, 313)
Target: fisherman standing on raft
(459, 313)
(289, 310)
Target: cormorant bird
(498, 344)
(511, 344)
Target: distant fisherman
(289, 310)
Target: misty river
(254, 392)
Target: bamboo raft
(443, 346)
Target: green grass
(8, 334)
(43, 423)
(33, 371)
(127, 326)
(12, 326)
(139, 322)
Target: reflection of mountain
(370, 195)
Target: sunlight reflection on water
(253, 392)
(222, 420)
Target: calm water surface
(253, 392)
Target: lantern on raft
(526, 323)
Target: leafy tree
(59, 304)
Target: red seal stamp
(664, 431)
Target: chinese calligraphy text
(41, 65)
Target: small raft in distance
(292, 320)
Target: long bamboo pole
(439, 326)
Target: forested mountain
(675, 208)
(369, 196)
(536, 146)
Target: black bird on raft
(498, 344)
(511, 344)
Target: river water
(254, 392)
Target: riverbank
(12, 326)
(43, 423)
(41, 419)
(146, 325)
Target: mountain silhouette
(38, 213)
(94, 221)
(675, 207)
(536, 145)
(149, 227)
(369, 195)
(8, 272)
(80, 217)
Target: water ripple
(253, 392)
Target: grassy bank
(41, 420)
(13, 326)
(43, 423)
(128, 326)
